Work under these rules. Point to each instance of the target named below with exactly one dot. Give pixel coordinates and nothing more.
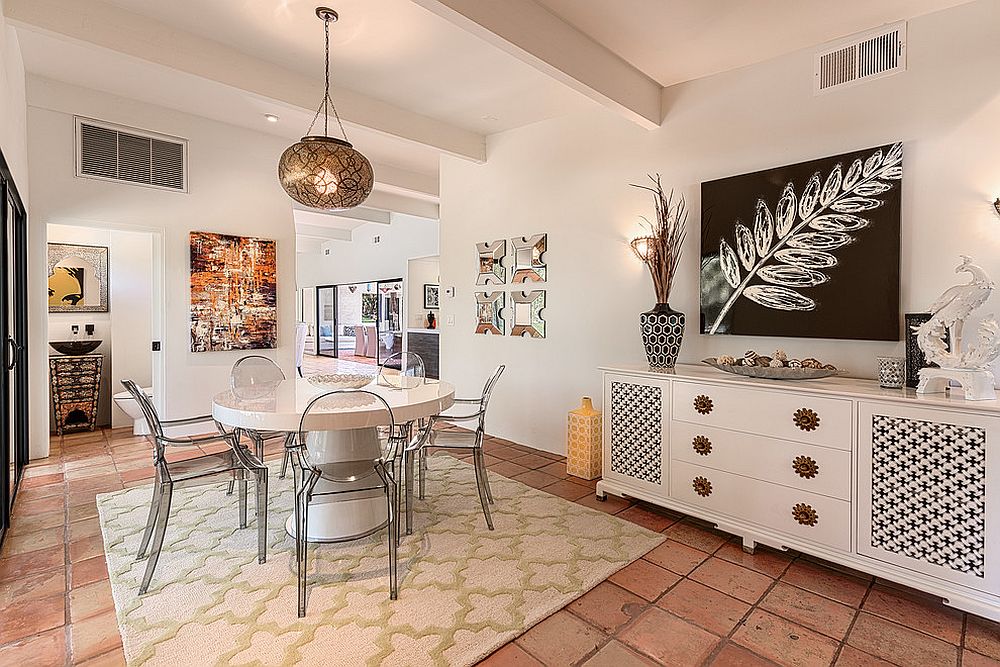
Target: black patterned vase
(662, 332)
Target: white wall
(570, 177)
(362, 260)
(420, 272)
(232, 189)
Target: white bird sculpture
(948, 314)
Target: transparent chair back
(255, 376)
(402, 370)
(367, 443)
(149, 412)
(487, 393)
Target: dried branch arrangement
(661, 249)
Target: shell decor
(778, 366)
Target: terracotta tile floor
(697, 599)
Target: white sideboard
(901, 486)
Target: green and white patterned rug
(464, 590)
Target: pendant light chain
(327, 102)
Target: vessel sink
(75, 347)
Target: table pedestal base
(351, 514)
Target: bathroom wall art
(233, 293)
(78, 278)
(809, 250)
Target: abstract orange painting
(233, 293)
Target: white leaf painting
(794, 246)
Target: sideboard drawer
(820, 470)
(806, 515)
(801, 417)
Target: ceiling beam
(325, 233)
(532, 33)
(119, 30)
(359, 213)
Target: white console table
(898, 485)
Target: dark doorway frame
(14, 341)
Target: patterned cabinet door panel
(635, 422)
(925, 489)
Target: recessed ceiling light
(270, 118)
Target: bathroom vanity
(899, 485)
(75, 385)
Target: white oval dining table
(341, 431)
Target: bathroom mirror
(528, 264)
(78, 278)
(489, 318)
(528, 319)
(491, 270)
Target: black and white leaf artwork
(821, 257)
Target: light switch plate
(451, 320)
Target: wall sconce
(997, 205)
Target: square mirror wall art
(491, 269)
(528, 320)
(489, 315)
(528, 264)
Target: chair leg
(390, 492)
(422, 465)
(262, 515)
(284, 464)
(408, 457)
(241, 479)
(300, 536)
(480, 466)
(162, 513)
(154, 506)
(486, 478)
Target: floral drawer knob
(805, 514)
(702, 445)
(806, 419)
(805, 466)
(702, 486)
(703, 404)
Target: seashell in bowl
(341, 380)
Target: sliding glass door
(326, 320)
(390, 318)
(14, 337)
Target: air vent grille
(862, 57)
(127, 155)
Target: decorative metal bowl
(783, 373)
(341, 380)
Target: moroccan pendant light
(323, 171)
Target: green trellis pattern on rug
(464, 591)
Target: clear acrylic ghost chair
(454, 439)
(376, 473)
(402, 370)
(232, 464)
(255, 376)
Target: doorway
(360, 322)
(14, 337)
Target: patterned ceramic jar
(891, 372)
